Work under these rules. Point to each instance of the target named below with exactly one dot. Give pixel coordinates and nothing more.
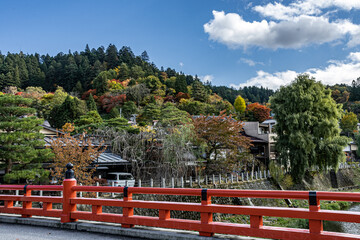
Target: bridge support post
(68, 194)
(206, 217)
(127, 211)
(315, 226)
(26, 204)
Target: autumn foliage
(221, 133)
(86, 94)
(108, 102)
(258, 112)
(80, 151)
(182, 95)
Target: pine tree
(22, 146)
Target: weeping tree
(21, 145)
(167, 150)
(308, 133)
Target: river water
(353, 228)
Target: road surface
(25, 232)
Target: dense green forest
(76, 71)
(113, 79)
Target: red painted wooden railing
(205, 226)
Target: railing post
(190, 181)
(26, 204)
(112, 193)
(206, 217)
(172, 182)
(139, 183)
(315, 226)
(182, 182)
(256, 221)
(68, 194)
(127, 211)
(206, 180)
(151, 182)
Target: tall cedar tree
(180, 84)
(81, 151)
(199, 92)
(91, 105)
(22, 146)
(221, 133)
(307, 128)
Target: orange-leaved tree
(81, 151)
(225, 146)
(258, 112)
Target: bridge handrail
(205, 226)
(32, 187)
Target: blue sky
(230, 42)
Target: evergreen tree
(78, 89)
(180, 84)
(145, 56)
(127, 56)
(307, 128)
(152, 111)
(199, 92)
(171, 116)
(111, 57)
(22, 146)
(67, 112)
(129, 108)
(91, 105)
(100, 83)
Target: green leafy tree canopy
(308, 133)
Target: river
(353, 228)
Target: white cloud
(305, 7)
(336, 72)
(354, 56)
(206, 78)
(250, 62)
(232, 30)
(277, 11)
(269, 80)
(181, 64)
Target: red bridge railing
(205, 225)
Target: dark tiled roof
(107, 158)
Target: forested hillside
(76, 71)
